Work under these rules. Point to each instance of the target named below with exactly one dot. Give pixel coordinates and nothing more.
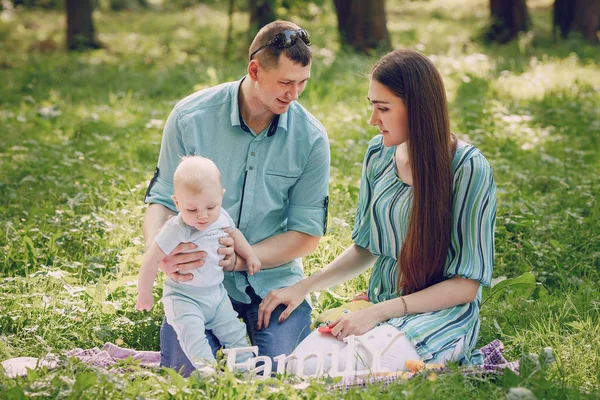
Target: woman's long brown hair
(431, 146)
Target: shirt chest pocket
(279, 183)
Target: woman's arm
(446, 294)
(351, 263)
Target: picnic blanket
(111, 357)
(494, 363)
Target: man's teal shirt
(275, 181)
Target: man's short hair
(268, 57)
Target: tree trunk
(262, 12)
(509, 17)
(80, 27)
(362, 25)
(562, 17)
(587, 18)
(582, 16)
(229, 38)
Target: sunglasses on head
(285, 39)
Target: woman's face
(389, 114)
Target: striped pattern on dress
(381, 225)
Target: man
(274, 160)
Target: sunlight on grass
(548, 77)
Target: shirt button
(251, 168)
(253, 153)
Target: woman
(425, 223)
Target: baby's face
(199, 209)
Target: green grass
(80, 139)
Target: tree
(262, 12)
(582, 16)
(509, 17)
(362, 25)
(229, 37)
(80, 27)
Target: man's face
(279, 86)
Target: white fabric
(176, 231)
(18, 366)
(392, 359)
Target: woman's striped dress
(381, 225)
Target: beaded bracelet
(405, 306)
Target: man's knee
(171, 354)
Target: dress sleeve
(361, 233)
(471, 252)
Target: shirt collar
(279, 121)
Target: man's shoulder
(313, 125)
(206, 99)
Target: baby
(201, 303)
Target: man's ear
(253, 67)
(176, 202)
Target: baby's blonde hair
(195, 172)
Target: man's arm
(307, 213)
(283, 248)
(280, 249)
(155, 217)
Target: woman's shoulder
(377, 154)
(376, 148)
(468, 153)
(469, 157)
(375, 144)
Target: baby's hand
(145, 301)
(253, 265)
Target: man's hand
(227, 250)
(177, 264)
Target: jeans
(272, 341)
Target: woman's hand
(291, 296)
(357, 323)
